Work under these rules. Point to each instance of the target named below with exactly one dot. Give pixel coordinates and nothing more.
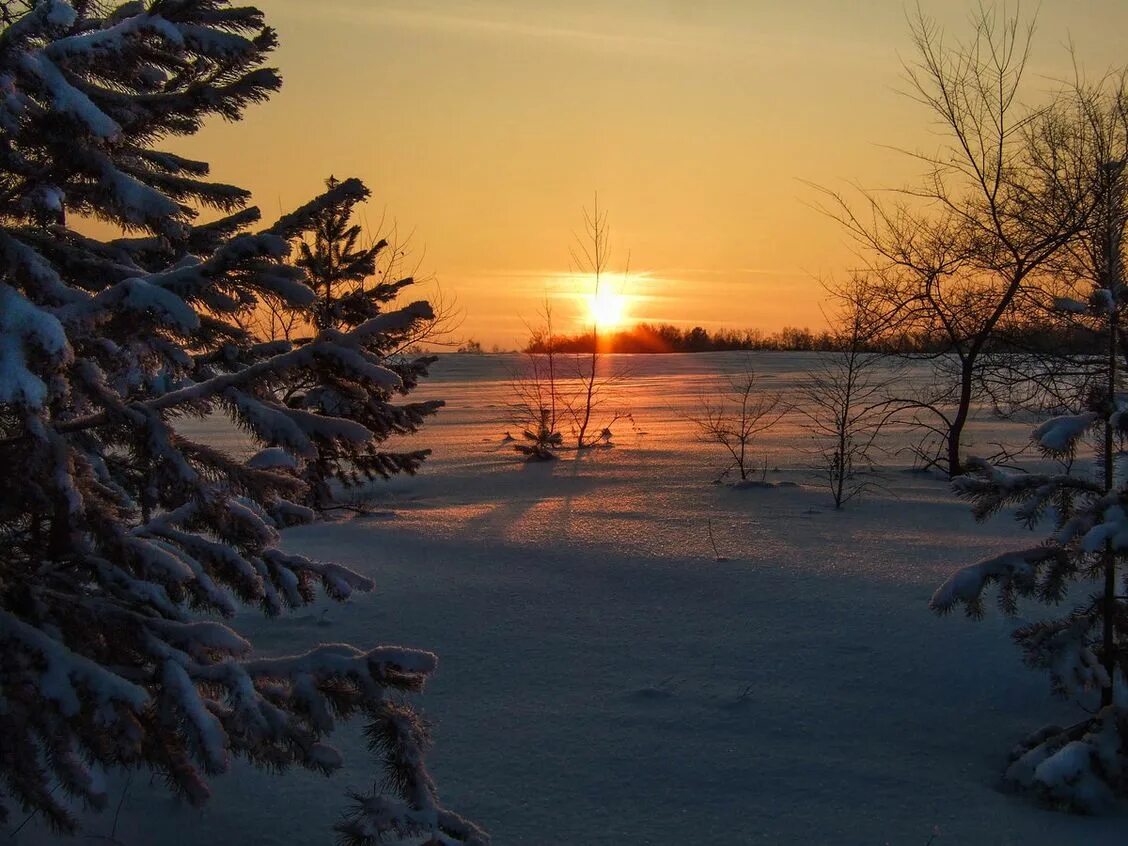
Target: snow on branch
(301, 219)
(45, 18)
(395, 321)
(1011, 570)
(25, 328)
(67, 99)
(114, 40)
(27, 266)
(372, 671)
(64, 673)
(1059, 435)
(1112, 529)
(1068, 305)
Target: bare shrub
(843, 397)
(733, 418)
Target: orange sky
(486, 127)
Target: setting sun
(607, 309)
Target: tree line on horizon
(1019, 335)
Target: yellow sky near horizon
(486, 127)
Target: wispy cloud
(732, 36)
(520, 22)
(497, 26)
(727, 271)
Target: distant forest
(667, 338)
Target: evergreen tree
(1085, 766)
(339, 270)
(541, 441)
(122, 538)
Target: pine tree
(1085, 766)
(122, 539)
(541, 440)
(340, 270)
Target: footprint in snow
(321, 619)
(650, 694)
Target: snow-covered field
(605, 680)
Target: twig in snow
(716, 552)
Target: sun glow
(607, 309)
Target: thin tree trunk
(594, 348)
(1108, 609)
(590, 388)
(963, 410)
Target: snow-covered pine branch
(1017, 573)
(1059, 435)
(122, 539)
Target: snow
(1068, 764)
(393, 321)
(603, 679)
(24, 325)
(139, 295)
(354, 362)
(967, 583)
(207, 728)
(1070, 305)
(58, 13)
(1065, 771)
(30, 265)
(269, 423)
(1113, 528)
(272, 458)
(1059, 434)
(114, 39)
(67, 99)
(64, 672)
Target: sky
(485, 128)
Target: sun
(607, 309)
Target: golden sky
(486, 127)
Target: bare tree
(954, 253)
(591, 255)
(736, 416)
(1085, 131)
(551, 390)
(272, 319)
(844, 396)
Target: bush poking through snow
(541, 441)
(122, 538)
